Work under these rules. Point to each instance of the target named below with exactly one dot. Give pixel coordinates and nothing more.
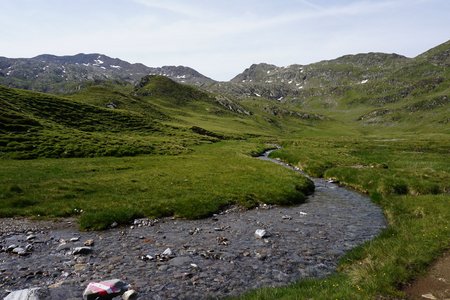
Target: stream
(211, 258)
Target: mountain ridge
(63, 74)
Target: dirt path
(435, 284)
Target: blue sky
(221, 38)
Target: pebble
(31, 237)
(19, 251)
(130, 295)
(167, 252)
(63, 246)
(260, 233)
(81, 250)
(89, 243)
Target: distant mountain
(330, 78)
(270, 81)
(371, 88)
(62, 74)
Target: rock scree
(220, 256)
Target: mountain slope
(41, 125)
(62, 74)
(371, 89)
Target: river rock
(11, 247)
(63, 246)
(81, 250)
(180, 261)
(19, 251)
(29, 294)
(31, 237)
(130, 295)
(167, 252)
(261, 233)
(114, 225)
(89, 243)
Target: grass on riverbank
(111, 190)
(409, 178)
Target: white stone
(31, 237)
(82, 250)
(19, 251)
(429, 296)
(129, 295)
(167, 252)
(260, 233)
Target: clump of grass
(105, 217)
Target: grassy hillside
(40, 125)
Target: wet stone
(81, 250)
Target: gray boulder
(30, 294)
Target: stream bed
(210, 258)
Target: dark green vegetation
(378, 123)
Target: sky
(221, 38)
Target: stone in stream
(63, 246)
(29, 247)
(89, 243)
(168, 252)
(261, 233)
(11, 247)
(19, 251)
(81, 250)
(180, 261)
(29, 294)
(130, 295)
(31, 237)
(105, 289)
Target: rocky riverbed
(184, 259)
